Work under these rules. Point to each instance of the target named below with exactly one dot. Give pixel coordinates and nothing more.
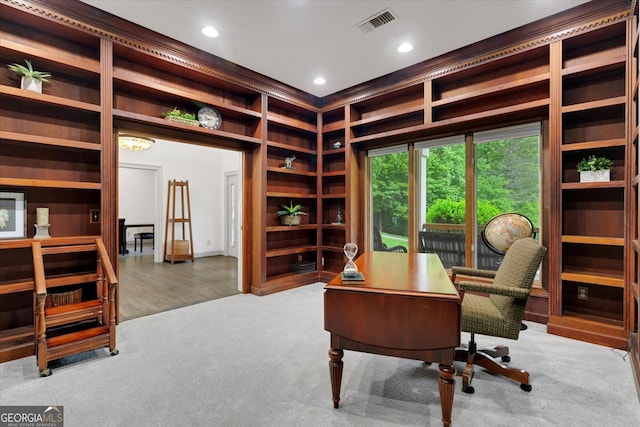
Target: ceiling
(295, 41)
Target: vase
(595, 176)
(29, 83)
(290, 220)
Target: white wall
(203, 167)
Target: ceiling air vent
(377, 20)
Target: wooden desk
(406, 308)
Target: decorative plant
(593, 163)
(291, 210)
(176, 112)
(28, 71)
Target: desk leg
(335, 371)
(446, 385)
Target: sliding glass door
(442, 195)
(507, 180)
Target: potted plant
(290, 215)
(31, 79)
(594, 169)
(182, 117)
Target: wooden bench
(142, 237)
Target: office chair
(378, 244)
(499, 314)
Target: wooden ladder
(180, 250)
(75, 302)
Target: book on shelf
(353, 279)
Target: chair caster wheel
(506, 359)
(45, 373)
(469, 390)
(115, 352)
(526, 387)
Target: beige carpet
(262, 361)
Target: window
(463, 182)
(442, 195)
(507, 170)
(390, 196)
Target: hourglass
(350, 250)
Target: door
(231, 215)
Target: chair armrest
(467, 271)
(490, 288)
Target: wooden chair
(499, 314)
(378, 244)
(74, 312)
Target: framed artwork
(13, 215)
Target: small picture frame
(94, 216)
(13, 215)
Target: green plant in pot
(594, 169)
(290, 214)
(31, 79)
(178, 115)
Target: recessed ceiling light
(209, 31)
(405, 47)
(319, 81)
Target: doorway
(141, 203)
(207, 169)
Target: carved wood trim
(447, 64)
(88, 19)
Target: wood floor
(147, 287)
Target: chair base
(484, 358)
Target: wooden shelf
(290, 251)
(333, 127)
(594, 279)
(288, 280)
(291, 147)
(591, 145)
(16, 343)
(291, 195)
(334, 152)
(158, 122)
(387, 116)
(16, 286)
(593, 240)
(291, 123)
(598, 65)
(151, 84)
(332, 226)
(290, 171)
(597, 324)
(493, 90)
(593, 105)
(45, 140)
(54, 101)
(592, 185)
(50, 53)
(286, 228)
(44, 183)
(338, 249)
(504, 111)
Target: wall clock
(209, 118)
